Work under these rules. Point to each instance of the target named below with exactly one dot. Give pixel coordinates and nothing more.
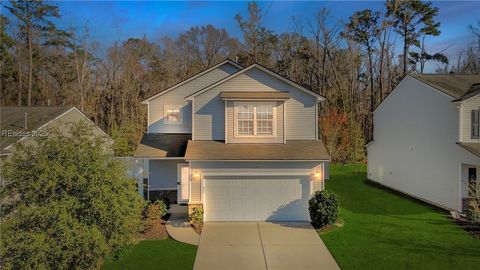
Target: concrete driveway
(262, 245)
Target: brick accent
(171, 195)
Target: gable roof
(264, 69)
(13, 118)
(162, 145)
(227, 61)
(454, 85)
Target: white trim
(316, 121)
(255, 105)
(180, 114)
(460, 130)
(226, 120)
(284, 122)
(148, 117)
(319, 97)
(192, 78)
(255, 172)
(193, 120)
(59, 116)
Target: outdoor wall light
(318, 175)
(196, 176)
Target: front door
(183, 176)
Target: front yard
(155, 254)
(383, 230)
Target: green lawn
(383, 230)
(155, 254)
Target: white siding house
(419, 131)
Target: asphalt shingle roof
(455, 85)
(161, 145)
(13, 118)
(292, 150)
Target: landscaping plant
(323, 208)
(196, 217)
(66, 202)
(156, 210)
(473, 210)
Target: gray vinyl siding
(210, 108)
(163, 174)
(177, 96)
(466, 118)
(231, 138)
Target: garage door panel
(251, 198)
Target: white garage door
(256, 198)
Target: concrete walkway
(262, 245)
(178, 226)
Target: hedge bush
(323, 208)
(66, 202)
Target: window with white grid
(245, 116)
(255, 119)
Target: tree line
(354, 64)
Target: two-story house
(426, 138)
(240, 142)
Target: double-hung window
(255, 119)
(475, 120)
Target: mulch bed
(469, 228)
(155, 230)
(197, 227)
(338, 224)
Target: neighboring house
(19, 123)
(240, 142)
(426, 138)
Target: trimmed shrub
(196, 217)
(473, 211)
(156, 210)
(323, 208)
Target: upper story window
(255, 119)
(475, 119)
(173, 115)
